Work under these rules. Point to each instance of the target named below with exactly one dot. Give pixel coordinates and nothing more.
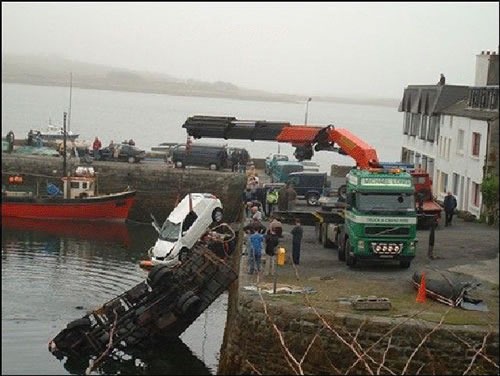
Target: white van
(189, 220)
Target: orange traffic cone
(421, 290)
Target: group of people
(261, 239)
(113, 148)
(34, 138)
(239, 160)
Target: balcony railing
(484, 98)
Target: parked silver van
(215, 157)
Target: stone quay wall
(328, 343)
(158, 187)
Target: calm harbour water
(52, 274)
(150, 119)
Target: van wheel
(312, 199)
(217, 215)
(131, 159)
(212, 166)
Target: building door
(461, 198)
(466, 197)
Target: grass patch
(332, 293)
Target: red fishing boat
(78, 200)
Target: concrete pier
(158, 186)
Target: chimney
(486, 69)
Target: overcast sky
(346, 49)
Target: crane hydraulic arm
(304, 138)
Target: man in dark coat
(283, 199)
(297, 232)
(450, 204)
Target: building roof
(431, 99)
(461, 108)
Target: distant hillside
(55, 71)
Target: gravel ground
(468, 250)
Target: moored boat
(52, 133)
(78, 200)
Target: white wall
(462, 163)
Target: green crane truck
(378, 220)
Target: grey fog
(355, 49)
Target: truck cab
(380, 217)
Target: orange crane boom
(306, 139)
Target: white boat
(52, 133)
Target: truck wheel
(350, 260)
(191, 305)
(312, 199)
(340, 251)
(84, 322)
(319, 229)
(213, 166)
(405, 264)
(131, 159)
(184, 297)
(342, 191)
(326, 242)
(178, 164)
(160, 276)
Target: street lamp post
(307, 108)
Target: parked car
(185, 225)
(215, 157)
(126, 153)
(271, 161)
(309, 185)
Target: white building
(452, 132)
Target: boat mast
(70, 90)
(65, 185)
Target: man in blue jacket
(450, 204)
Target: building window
(407, 122)
(423, 127)
(476, 142)
(455, 184)
(460, 141)
(444, 182)
(476, 192)
(448, 150)
(415, 123)
(433, 126)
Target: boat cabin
(82, 184)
